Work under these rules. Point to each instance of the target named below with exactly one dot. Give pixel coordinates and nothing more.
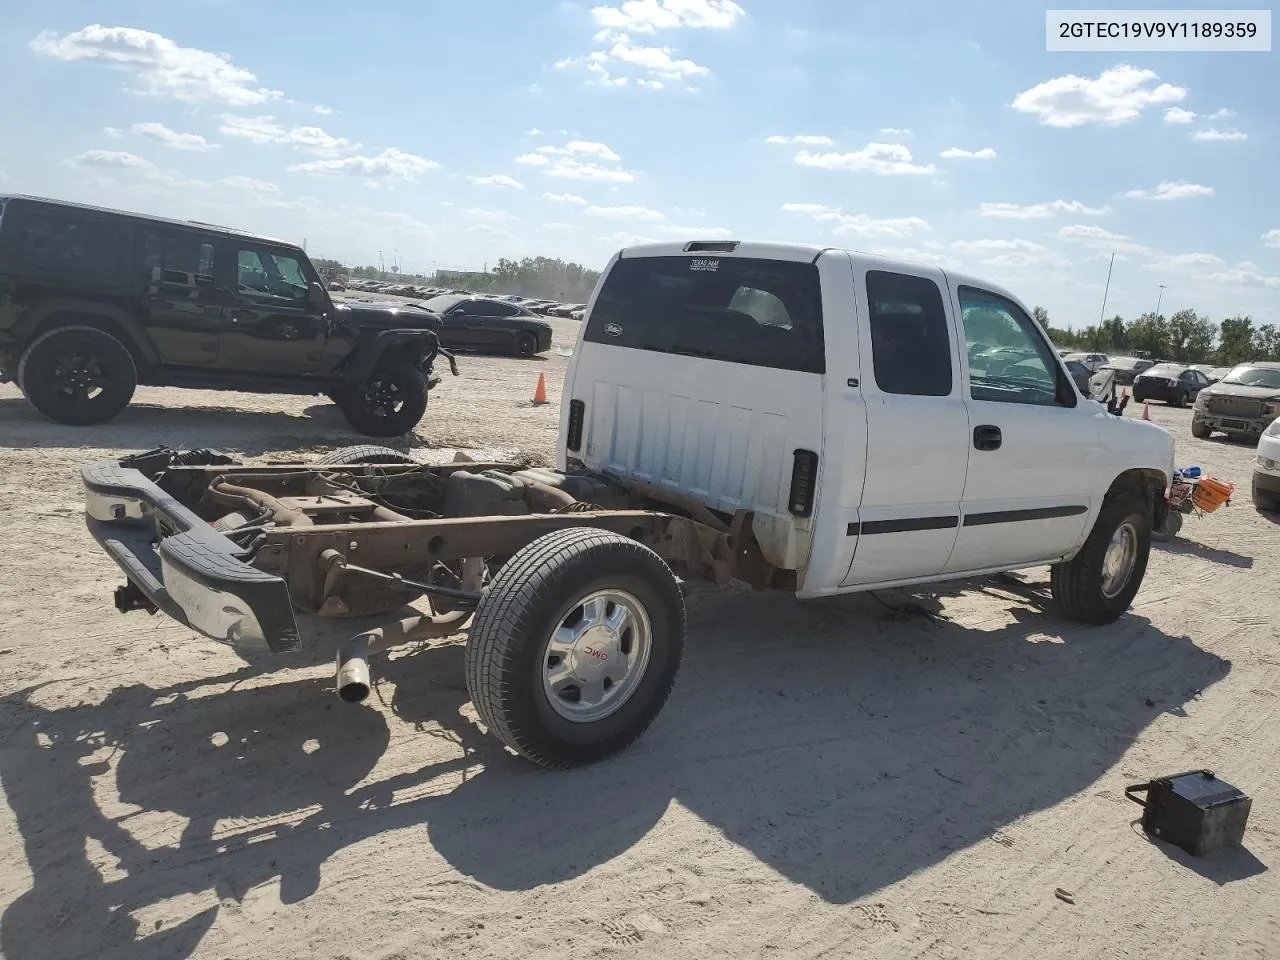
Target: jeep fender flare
(423, 346)
(109, 318)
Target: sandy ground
(829, 779)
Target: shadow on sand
(846, 743)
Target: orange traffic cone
(540, 394)
(1146, 410)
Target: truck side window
(910, 341)
(274, 276)
(1009, 362)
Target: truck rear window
(762, 313)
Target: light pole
(1160, 299)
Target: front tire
(390, 401)
(575, 646)
(1200, 430)
(79, 376)
(526, 344)
(1179, 401)
(1098, 585)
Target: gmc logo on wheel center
(595, 652)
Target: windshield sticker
(613, 329)
(704, 266)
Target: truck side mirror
(316, 297)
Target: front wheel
(526, 344)
(390, 401)
(1200, 430)
(79, 376)
(1099, 583)
(1180, 401)
(575, 646)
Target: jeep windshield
(1246, 376)
(763, 313)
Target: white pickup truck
(800, 418)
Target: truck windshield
(763, 313)
(1254, 377)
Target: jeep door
(1036, 455)
(917, 426)
(272, 327)
(183, 305)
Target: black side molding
(911, 524)
(1017, 516)
(904, 525)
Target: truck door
(917, 425)
(271, 326)
(1036, 453)
(182, 303)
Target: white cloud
(1213, 133)
(1223, 114)
(115, 133)
(267, 130)
(533, 132)
(858, 223)
(586, 148)
(1171, 190)
(625, 213)
(563, 198)
(648, 16)
(159, 66)
(895, 131)
(532, 160)
(390, 164)
(171, 138)
(998, 246)
(491, 216)
(1037, 211)
(113, 159)
(1081, 231)
(803, 140)
(650, 84)
(324, 111)
(1180, 261)
(1271, 238)
(1178, 115)
(958, 153)
(248, 183)
(1115, 96)
(497, 180)
(886, 159)
(694, 233)
(1245, 278)
(657, 61)
(568, 168)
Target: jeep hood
(385, 316)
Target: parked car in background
(1266, 470)
(482, 323)
(1125, 368)
(1174, 383)
(1242, 404)
(1092, 361)
(1080, 375)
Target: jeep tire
(1099, 583)
(575, 646)
(79, 376)
(390, 401)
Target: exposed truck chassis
(567, 582)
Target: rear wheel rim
(79, 377)
(597, 656)
(1119, 560)
(382, 396)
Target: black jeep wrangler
(94, 302)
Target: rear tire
(526, 344)
(79, 376)
(555, 689)
(1098, 585)
(363, 453)
(389, 403)
(1179, 401)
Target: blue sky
(456, 134)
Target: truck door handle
(986, 437)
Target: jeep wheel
(575, 646)
(526, 344)
(79, 376)
(390, 401)
(364, 453)
(1100, 582)
(1200, 430)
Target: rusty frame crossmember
(313, 558)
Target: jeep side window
(1016, 366)
(183, 259)
(275, 276)
(910, 339)
(69, 247)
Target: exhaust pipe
(353, 683)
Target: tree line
(1186, 336)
